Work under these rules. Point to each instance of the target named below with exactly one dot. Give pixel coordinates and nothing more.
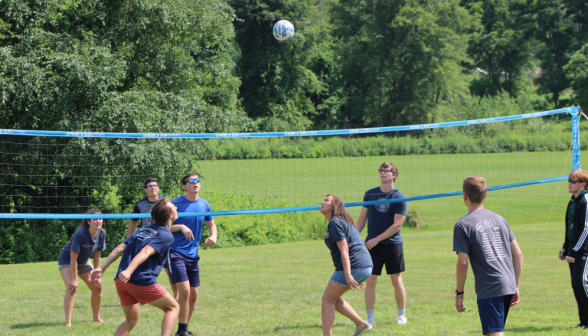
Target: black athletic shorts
(390, 255)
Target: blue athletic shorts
(359, 274)
(184, 269)
(493, 313)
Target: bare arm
(392, 230)
(132, 227)
(210, 241)
(185, 230)
(344, 248)
(73, 268)
(140, 258)
(362, 219)
(96, 258)
(517, 263)
(461, 272)
(98, 272)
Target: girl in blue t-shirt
(353, 265)
(74, 260)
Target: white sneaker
(371, 322)
(401, 320)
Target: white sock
(370, 314)
(401, 312)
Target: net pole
(576, 163)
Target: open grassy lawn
(277, 289)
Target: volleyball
(283, 30)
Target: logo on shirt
(146, 233)
(382, 207)
(483, 225)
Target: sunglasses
(152, 186)
(196, 180)
(384, 171)
(572, 181)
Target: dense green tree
(577, 72)
(106, 66)
(398, 59)
(500, 45)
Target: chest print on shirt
(382, 207)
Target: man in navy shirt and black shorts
(144, 205)
(383, 240)
(143, 255)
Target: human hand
(370, 244)
(210, 241)
(96, 274)
(561, 255)
(459, 304)
(187, 233)
(73, 286)
(124, 276)
(570, 260)
(351, 283)
(515, 299)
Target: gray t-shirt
(144, 206)
(485, 237)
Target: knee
(397, 283)
(371, 282)
(132, 321)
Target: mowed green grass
(277, 289)
(306, 181)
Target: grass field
(277, 289)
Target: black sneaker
(184, 333)
(581, 326)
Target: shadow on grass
(36, 324)
(300, 327)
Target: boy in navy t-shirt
(144, 205)
(143, 255)
(384, 241)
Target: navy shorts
(493, 313)
(390, 255)
(184, 269)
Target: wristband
(458, 292)
(348, 275)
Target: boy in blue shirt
(143, 255)
(183, 264)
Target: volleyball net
(59, 175)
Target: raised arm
(362, 219)
(140, 258)
(210, 241)
(517, 263)
(132, 227)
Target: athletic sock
(182, 326)
(370, 314)
(401, 312)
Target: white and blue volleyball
(283, 30)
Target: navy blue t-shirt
(381, 216)
(83, 243)
(339, 230)
(160, 239)
(144, 206)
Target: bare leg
(96, 298)
(399, 292)
(332, 301)
(173, 286)
(132, 318)
(171, 309)
(70, 297)
(500, 333)
(370, 292)
(187, 300)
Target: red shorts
(130, 294)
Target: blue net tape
(267, 211)
(571, 110)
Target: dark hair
(475, 187)
(149, 180)
(160, 211)
(388, 165)
(187, 177)
(581, 176)
(339, 210)
(85, 221)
